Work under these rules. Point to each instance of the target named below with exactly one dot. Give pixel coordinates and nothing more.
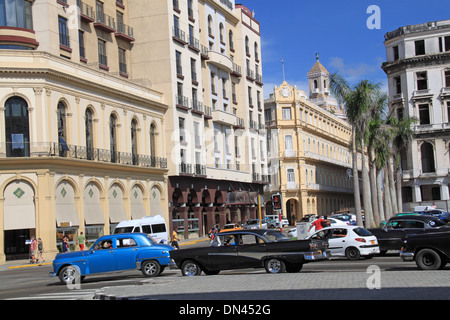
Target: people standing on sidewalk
(174, 239)
(65, 244)
(81, 240)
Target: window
(64, 38)
(89, 133)
(398, 85)
(247, 48)
(256, 52)
(448, 111)
(16, 13)
(61, 114)
(288, 146)
(178, 63)
(17, 128)
(153, 140)
(181, 127)
(102, 58)
(286, 113)
(81, 44)
(427, 157)
(210, 25)
(447, 79)
(424, 114)
(134, 151)
(396, 54)
(230, 40)
(113, 138)
(213, 83)
(420, 47)
(122, 61)
(193, 70)
(422, 80)
(221, 33)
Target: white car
(348, 241)
(292, 233)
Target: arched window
(113, 138)
(427, 156)
(17, 128)
(89, 133)
(247, 48)
(231, 40)
(256, 52)
(221, 33)
(152, 141)
(16, 13)
(62, 139)
(210, 25)
(134, 153)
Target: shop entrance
(16, 246)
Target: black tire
(428, 259)
(69, 275)
(190, 268)
(293, 268)
(151, 268)
(274, 265)
(352, 253)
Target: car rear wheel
(427, 259)
(190, 268)
(151, 268)
(274, 266)
(352, 253)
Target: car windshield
(152, 241)
(362, 232)
(274, 236)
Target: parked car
(154, 226)
(115, 252)
(390, 236)
(349, 218)
(254, 224)
(231, 226)
(430, 251)
(255, 248)
(292, 233)
(348, 241)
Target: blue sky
(294, 30)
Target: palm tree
(357, 101)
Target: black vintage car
(390, 237)
(240, 249)
(430, 251)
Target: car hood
(72, 255)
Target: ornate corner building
(81, 136)
(308, 139)
(418, 70)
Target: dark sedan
(390, 237)
(240, 249)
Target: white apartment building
(418, 70)
(205, 56)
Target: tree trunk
(373, 186)
(356, 192)
(387, 194)
(392, 187)
(368, 214)
(380, 195)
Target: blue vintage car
(115, 252)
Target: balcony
(197, 107)
(104, 22)
(182, 102)
(67, 151)
(185, 169)
(179, 36)
(223, 117)
(86, 11)
(221, 61)
(194, 44)
(124, 32)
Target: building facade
(82, 138)
(308, 150)
(205, 57)
(418, 70)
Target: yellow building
(82, 138)
(309, 149)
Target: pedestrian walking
(81, 241)
(33, 250)
(65, 244)
(318, 224)
(41, 250)
(174, 239)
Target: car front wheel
(190, 268)
(274, 266)
(352, 253)
(151, 268)
(69, 275)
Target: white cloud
(355, 71)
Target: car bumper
(369, 250)
(407, 256)
(317, 255)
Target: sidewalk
(15, 264)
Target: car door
(223, 255)
(250, 251)
(101, 256)
(395, 230)
(337, 241)
(125, 253)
